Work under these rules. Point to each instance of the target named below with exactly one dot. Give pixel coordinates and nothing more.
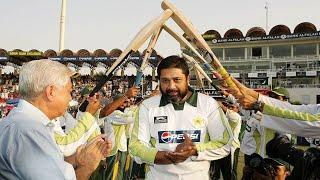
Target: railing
(273, 59)
(284, 70)
(258, 86)
(301, 86)
(312, 63)
(285, 86)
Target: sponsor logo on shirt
(160, 119)
(177, 136)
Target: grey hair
(36, 75)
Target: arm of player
(294, 122)
(86, 129)
(219, 138)
(108, 109)
(140, 146)
(234, 120)
(119, 119)
(310, 108)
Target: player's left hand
(183, 151)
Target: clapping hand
(90, 155)
(183, 151)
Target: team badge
(198, 122)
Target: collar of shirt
(37, 113)
(192, 100)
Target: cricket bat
(134, 45)
(152, 43)
(197, 39)
(200, 70)
(184, 42)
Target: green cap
(281, 91)
(85, 91)
(117, 96)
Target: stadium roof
(18, 57)
(304, 27)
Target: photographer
(306, 163)
(265, 169)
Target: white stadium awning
(130, 70)
(235, 75)
(147, 71)
(291, 74)
(252, 75)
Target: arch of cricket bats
(152, 30)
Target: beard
(174, 95)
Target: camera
(263, 168)
(306, 163)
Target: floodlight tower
(62, 24)
(267, 16)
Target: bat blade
(196, 38)
(152, 43)
(134, 45)
(184, 42)
(142, 36)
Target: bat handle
(220, 69)
(138, 78)
(202, 90)
(216, 87)
(226, 76)
(85, 103)
(230, 82)
(208, 67)
(83, 106)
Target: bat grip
(226, 76)
(103, 81)
(208, 67)
(220, 69)
(85, 103)
(138, 78)
(216, 87)
(96, 89)
(230, 82)
(83, 106)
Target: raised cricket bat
(184, 42)
(199, 80)
(197, 39)
(134, 45)
(152, 43)
(200, 70)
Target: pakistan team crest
(198, 122)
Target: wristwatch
(258, 106)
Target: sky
(109, 24)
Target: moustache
(172, 91)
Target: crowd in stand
(117, 109)
(9, 94)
